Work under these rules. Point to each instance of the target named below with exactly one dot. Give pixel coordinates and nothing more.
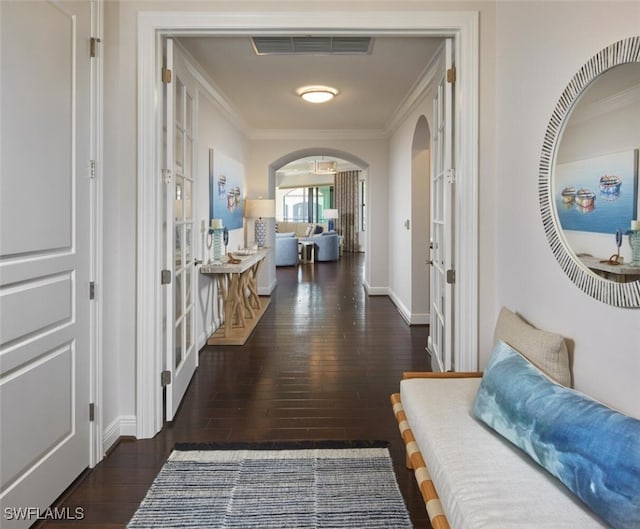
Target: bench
(476, 469)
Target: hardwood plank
(320, 364)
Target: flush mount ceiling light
(317, 94)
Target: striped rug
(298, 486)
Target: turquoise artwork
(592, 449)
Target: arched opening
(294, 169)
(420, 219)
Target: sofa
(300, 229)
(327, 246)
(515, 447)
(286, 253)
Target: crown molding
(317, 134)
(212, 92)
(417, 92)
(627, 97)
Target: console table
(243, 307)
(620, 273)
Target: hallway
(321, 364)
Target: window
(304, 204)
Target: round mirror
(588, 182)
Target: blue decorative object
(217, 245)
(592, 449)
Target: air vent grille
(312, 45)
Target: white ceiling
(260, 90)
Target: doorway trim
(462, 26)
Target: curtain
(346, 202)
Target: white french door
(442, 274)
(181, 355)
(45, 252)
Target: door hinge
(166, 176)
(92, 412)
(92, 168)
(451, 75)
(93, 47)
(450, 176)
(92, 290)
(166, 75)
(451, 277)
(165, 378)
(165, 277)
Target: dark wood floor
(321, 364)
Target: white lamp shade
(331, 214)
(260, 208)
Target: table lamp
(331, 215)
(260, 209)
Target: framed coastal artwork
(225, 190)
(598, 194)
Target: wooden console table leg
(254, 299)
(245, 289)
(232, 304)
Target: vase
(217, 245)
(260, 232)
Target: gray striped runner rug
(344, 486)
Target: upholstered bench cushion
(483, 481)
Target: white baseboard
(203, 337)
(266, 291)
(420, 318)
(375, 291)
(123, 426)
(412, 318)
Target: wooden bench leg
(415, 462)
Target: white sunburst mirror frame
(625, 295)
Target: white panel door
(440, 341)
(44, 252)
(181, 355)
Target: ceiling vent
(312, 45)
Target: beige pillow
(546, 350)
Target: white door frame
(97, 450)
(463, 26)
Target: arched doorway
(420, 219)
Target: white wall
(540, 46)
(399, 175)
(402, 204)
(119, 200)
(262, 153)
(217, 133)
(420, 220)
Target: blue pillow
(592, 449)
